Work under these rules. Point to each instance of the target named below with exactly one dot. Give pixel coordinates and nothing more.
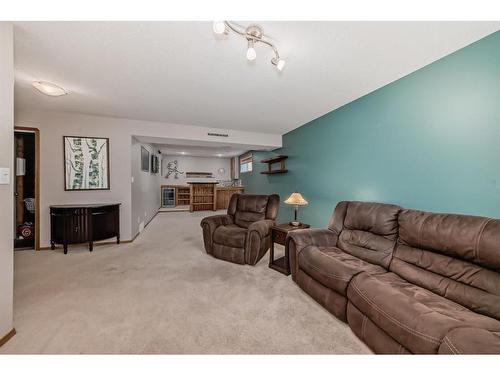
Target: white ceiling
(203, 151)
(180, 72)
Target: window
(246, 162)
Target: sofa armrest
(298, 240)
(209, 225)
(317, 237)
(470, 341)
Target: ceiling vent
(217, 135)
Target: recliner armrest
(217, 220)
(299, 239)
(468, 340)
(262, 227)
(258, 240)
(209, 225)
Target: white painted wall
(195, 164)
(54, 125)
(145, 188)
(6, 191)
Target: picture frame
(154, 164)
(86, 163)
(144, 159)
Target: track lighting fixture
(254, 34)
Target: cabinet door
(105, 222)
(69, 225)
(221, 199)
(78, 225)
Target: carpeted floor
(164, 294)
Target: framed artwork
(144, 159)
(154, 164)
(86, 163)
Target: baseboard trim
(136, 235)
(150, 220)
(7, 337)
(109, 242)
(95, 244)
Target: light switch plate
(4, 176)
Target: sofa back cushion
(455, 256)
(366, 230)
(248, 208)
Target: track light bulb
(278, 63)
(251, 53)
(219, 27)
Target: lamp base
(295, 223)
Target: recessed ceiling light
(49, 89)
(182, 152)
(219, 155)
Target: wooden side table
(278, 235)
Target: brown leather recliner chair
(243, 235)
(406, 281)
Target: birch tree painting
(86, 163)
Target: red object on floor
(25, 230)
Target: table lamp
(297, 200)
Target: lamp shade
(296, 199)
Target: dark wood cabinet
(70, 224)
(278, 235)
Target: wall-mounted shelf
(275, 171)
(275, 160)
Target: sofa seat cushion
(470, 341)
(415, 317)
(230, 235)
(334, 268)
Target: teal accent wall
(428, 141)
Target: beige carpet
(163, 294)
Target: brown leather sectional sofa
(406, 281)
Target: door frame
(37, 179)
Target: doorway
(26, 188)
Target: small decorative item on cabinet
(274, 160)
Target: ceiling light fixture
(254, 34)
(49, 89)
